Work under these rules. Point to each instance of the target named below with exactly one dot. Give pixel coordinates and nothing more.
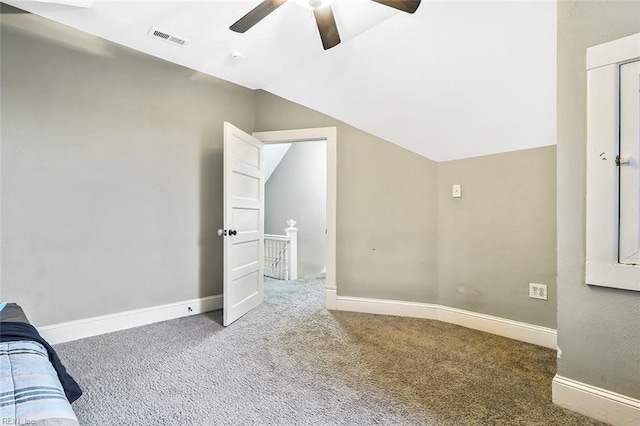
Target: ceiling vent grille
(163, 35)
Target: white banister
(292, 233)
(276, 262)
(281, 254)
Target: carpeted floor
(292, 362)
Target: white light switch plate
(457, 191)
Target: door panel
(244, 223)
(246, 220)
(245, 285)
(245, 254)
(244, 186)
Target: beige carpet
(292, 362)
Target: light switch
(457, 191)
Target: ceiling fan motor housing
(322, 12)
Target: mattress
(12, 312)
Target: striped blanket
(31, 393)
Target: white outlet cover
(456, 191)
(538, 291)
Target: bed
(35, 388)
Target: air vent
(163, 35)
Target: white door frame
(330, 135)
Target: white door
(243, 223)
(629, 168)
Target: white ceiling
(454, 80)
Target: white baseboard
(529, 333)
(74, 330)
(601, 404)
(330, 295)
(387, 307)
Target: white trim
(613, 52)
(529, 333)
(329, 134)
(601, 404)
(616, 275)
(331, 295)
(87, 327)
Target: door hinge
(622, 159)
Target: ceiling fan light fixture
(315, 4)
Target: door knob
(222, 232)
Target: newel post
(292, 233)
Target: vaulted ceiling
(454, 80)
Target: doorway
(329, 135)
(295, 189)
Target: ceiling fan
(322, 12)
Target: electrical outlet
(538, 291)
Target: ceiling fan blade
(408, 6)
(327, 27)
(256, 15)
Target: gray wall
(297, 190)
(500, 236)
(402, 237)
(386, 208)
(111, 177)
(598, 328)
